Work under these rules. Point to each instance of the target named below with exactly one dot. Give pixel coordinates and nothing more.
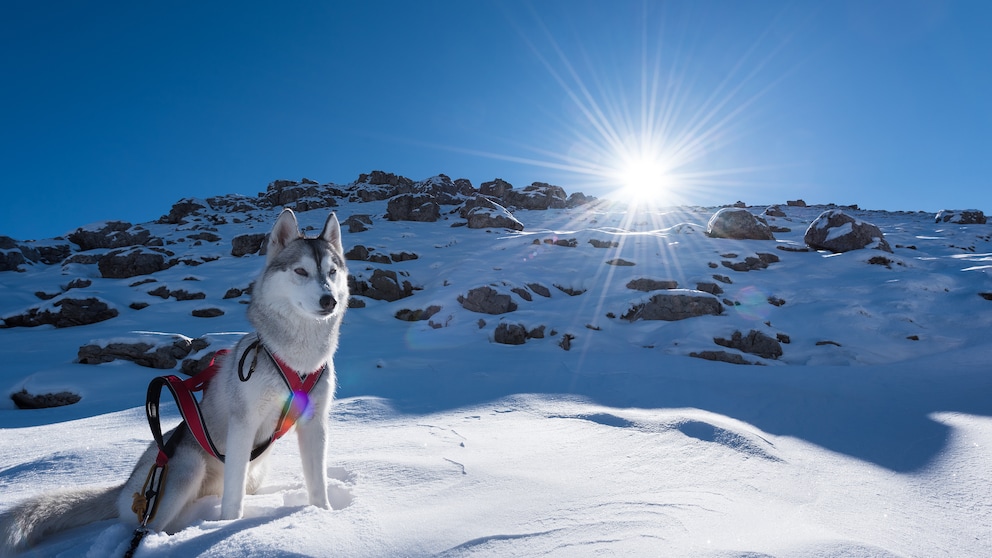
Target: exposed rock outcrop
(961, 216)
(71, 312)
(120, 264)
(645, 284)
(483, 213)
(510, 334)
(738, 223)
(112, 234)
(250, 243)
(383, 285)
(410, 207)
(487, 300)
(755, 343)
(838, 232)
(675, 306)
(25, 400)
(159, 356)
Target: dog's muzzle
(327, 304)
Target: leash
(145, 503)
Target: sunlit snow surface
(444, 443)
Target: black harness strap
(146, 502)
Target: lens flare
(299, 405)
(753, 304)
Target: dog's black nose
(327, 303)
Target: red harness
(297, 405)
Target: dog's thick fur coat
(297, 306)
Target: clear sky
(115, 110)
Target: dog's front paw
(229, 512)
(322, 503)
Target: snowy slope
(869, 436)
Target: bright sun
(645, 178)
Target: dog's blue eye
(332, 271)
(301, 272)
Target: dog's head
(308, 273)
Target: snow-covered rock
(739, 223)
(961, 216)
(838, 232)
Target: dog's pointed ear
(332, 233)
(285, 231)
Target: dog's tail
(31, 521)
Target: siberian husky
(296, 308)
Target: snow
(444, 443)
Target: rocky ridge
(423, 285)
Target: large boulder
(755, 343)
(538, 195)
(409, 207)
(675, 306)
(182, 209)
(383, 285)
(304, 195)
(249, 243)
(157, 355)
(379, 185)
(838, 232)
(961, 216)
(120, 264)
(25, 400)
(446, 191)
(495, 188)
(111, 234)
(11, 254)
(510, 334)
(53, 252)
(738, 223)
(487, 300)
(71, 312)
(483, 213)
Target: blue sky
(115, 110)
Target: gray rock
(408, 315)
(250, 243)
(487, 300)
(738, 223)
(537, 196)
(645, 284)
(357, 223)
(510, 334)
(120, 264)
(496, 188)
(410, 207)
(53, 253)
(539, 289)
(180, 210)
(162, 357)
(961, 216)
(755, 343)
(487, 214)
(752, 263)
(838, 232)
(711, 288)
(72, 312)
(675, 306)
(721, 356)
(207, 312)
(11, 260)
(25, 400)
(383, 285)
(113, 234)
